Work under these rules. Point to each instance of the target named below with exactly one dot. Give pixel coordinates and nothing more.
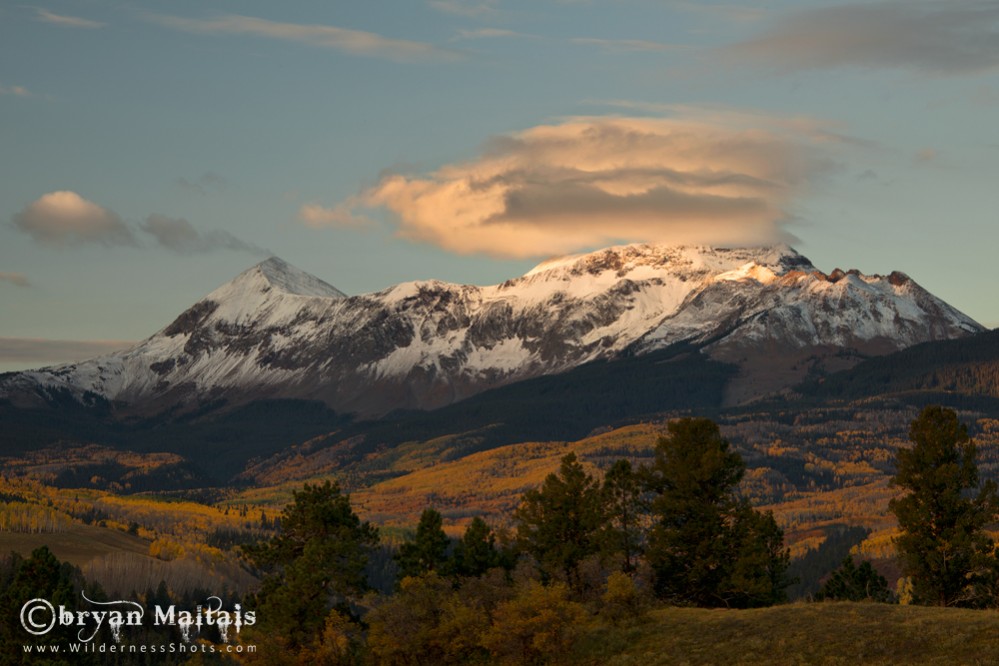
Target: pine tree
(428, 550)
(476, 553)
(40, 576)
(943, 545)
(316, 562)
(624, 532)
(706, 547)
(757, 572)
(853, 583)
(560, 524)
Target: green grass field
(820, 633)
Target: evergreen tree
(315, 563)
(428, 550)
(40, 576)
(706, 547)
(476, 553)
(757, 572)
(560, 524)
(943, 513)
(623, 492)
(853, 583)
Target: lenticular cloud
(592, 181)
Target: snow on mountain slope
(276, 331)
(808, 308)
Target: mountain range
(276, 332)
(461, 398)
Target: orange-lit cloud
(725, 179)
(316, 216)
(65, 218)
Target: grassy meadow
(800, 633)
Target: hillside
(823, 633)
(968, 366)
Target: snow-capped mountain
(275, 331)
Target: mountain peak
(276, 331)
(281, 275)
(780, 257)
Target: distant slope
(967, 366)
(271, 435)
(565, 406)
(217, 443)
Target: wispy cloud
(178, 235)
(466, 8)
(606, 45)
(65, 218)
(38, 350)
(727, 12)
(17, 91)
(489, 33)
(815, 130)
(317, 216)
(593, 180)
(68, 21)
(16, 279)
(612, 45)
(941, 38)
(203, 184)
(926, 156)
(355, 42)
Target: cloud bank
(65, 218)
(941, 38)
(592, 181)
(35, 350)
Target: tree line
(943, 511)
(583, 549)
(675, 531)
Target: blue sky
(151, 151)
